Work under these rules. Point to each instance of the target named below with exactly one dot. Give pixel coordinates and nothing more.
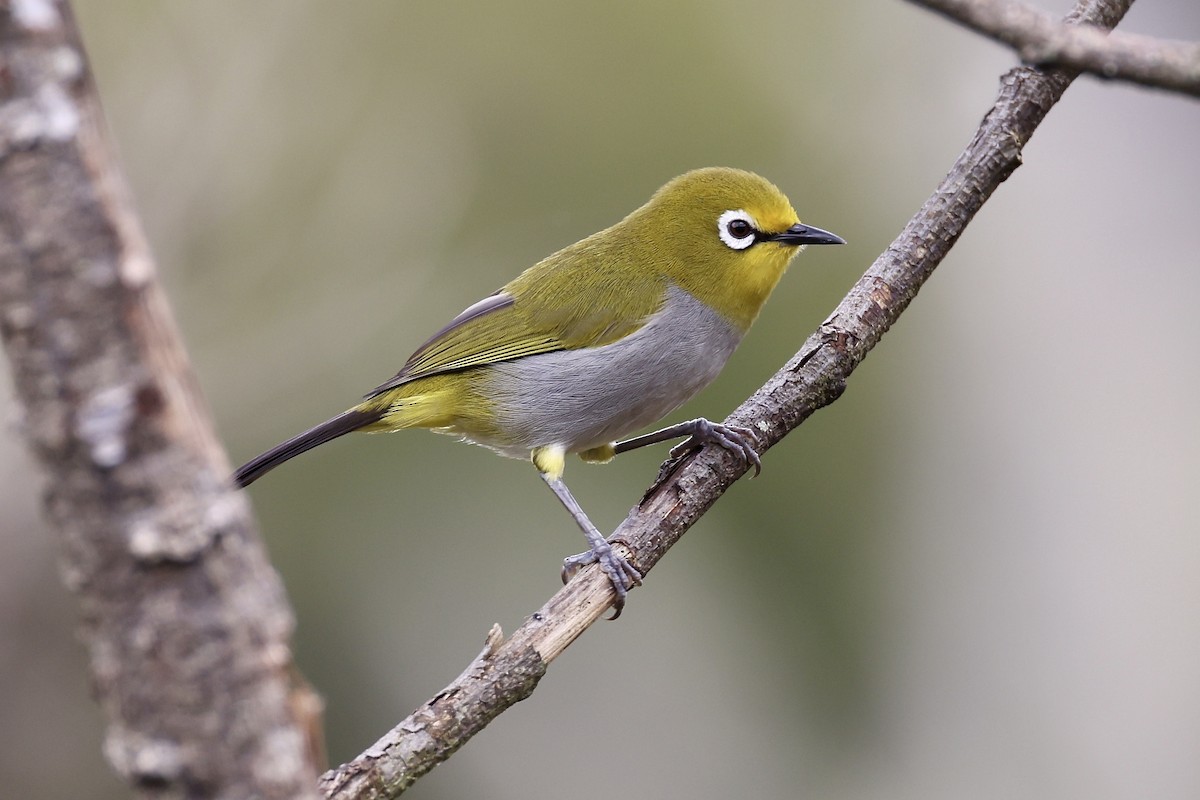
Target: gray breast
(585, 398)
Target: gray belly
(585, 398)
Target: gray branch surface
(1042, 40)
(507, 671)
(186, 623)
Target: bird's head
(724, 235)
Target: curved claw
(623, 575)
(734, 438)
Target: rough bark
(1040, 39)
(185, 621)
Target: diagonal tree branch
(1040, 39)
(507, 671)
(185, 621)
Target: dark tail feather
(328, 430)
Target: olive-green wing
(489, 331)
(541, 311)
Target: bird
(597, 341)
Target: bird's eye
(736, 229)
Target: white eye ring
(727, 223)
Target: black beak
(805, 234)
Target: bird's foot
(734, 438)
(623, 575)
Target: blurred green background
(976, 575)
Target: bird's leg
(623, 575)
(734, 438)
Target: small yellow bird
(595, 341)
